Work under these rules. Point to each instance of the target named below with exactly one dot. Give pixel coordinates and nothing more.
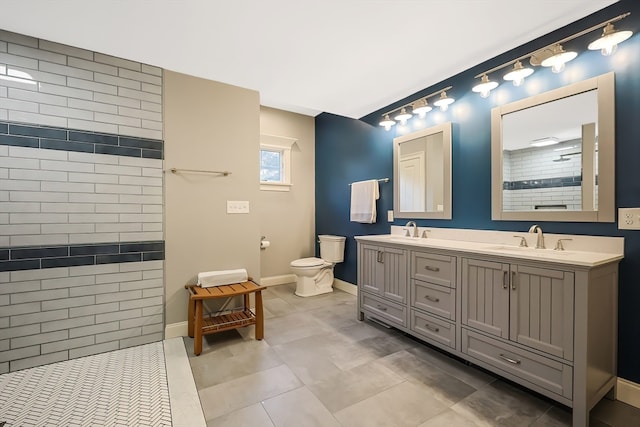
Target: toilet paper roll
(264, 244)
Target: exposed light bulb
(386, 122)
(609, 50)
(558, 58)
(558, 67)
(518, 74)
(444, 101)
(403, 116)
(421, 108)
(485, 86)
(608, 42)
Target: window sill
(274, 186)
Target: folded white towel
(207, 279)
(363, 201)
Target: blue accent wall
(349, 150)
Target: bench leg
(259, 316)
(190, 317)
(197, 333)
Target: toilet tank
(331, 247)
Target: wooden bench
(199, 324)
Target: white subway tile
(116, 208)
(19, 207)
(140, 180)
(91, 270)
(68, 302)
(40, 119)
(117, 62)
(67, 344)
(41, 295)
(3, 46)
(27, 95)
(118, 296)
(154, 274)
(120, 277)
(23, 329)
(92, 238)
(92, 218)
(152, 106)
(20, 84)
(54, 110)
(68, 282)
(17, 356)
(66, 91)
(93, 177)
(4, 219)
(4, 195)
(68, 207)
(36, 153)
(133, 112)
(66, 50)
(140, 132)
(145, 235)
(120, 120)
(150, 124)
(152, 226)
(125, 198)
(93, 329)
(40, 175)
(16, 104)
(21, 61)
(13, 229)
(119, 315)
(37, 196)
(118, 189)
(141, 162)
(3, 89)
(39, 317)
(19, 342)
(153, 88)
(147, 283)
(152, 190)
(92, 126)
(117, 81)
(116, 228)
(44, 275)
(118, 335)
(4, 114)
(142, 77)
(19, 163)
(150, 69)
(91, 85)
(37, 218)
(152, 172)
(37, 76)
(92, 106)
(4, 174)
(54, 165)
(89, 64)
(93, 198)
(116, 100)
(152, 209)
(93, 349)
(70, 187)
(67, 228)
(92, 158)
(65, 70)
(18, 38)
(137, 94)
(8, 184)
(140, 218)
(35, 53)
(4, 150)
(94, 290)
(144, 302)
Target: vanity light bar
(419, 107)
(554, 55)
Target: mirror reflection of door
(411, 174)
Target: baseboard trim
(628, 392)
(277, 280)
(349, 288)
(173, 330)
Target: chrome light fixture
(518, 74)
(559, 57)
(421, 107)
(444, 101)
(485, 86)
(403, 116)
(387, 122)
(608, 42)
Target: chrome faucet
(535, 228)
(415, 228)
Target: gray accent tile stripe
(565, 181)
(55, 138)
(39, 257)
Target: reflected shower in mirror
(553, 155)
(422, 173)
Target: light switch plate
(237, 206)
(629, 218)
(389, 216)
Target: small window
(275, 163)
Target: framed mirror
(422, 173)
(553, 155)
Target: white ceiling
(347, 57)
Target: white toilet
(314, 276)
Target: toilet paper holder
(264, 244)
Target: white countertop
(493, 243)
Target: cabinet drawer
(383, 309)
(546, 373)
(432, 328)
(439, 269)
(435, 299)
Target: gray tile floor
(319, 366)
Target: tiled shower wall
(81, 193)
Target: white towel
(207, 279)
(363, 201)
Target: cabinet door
(542, 309)
(371, 267)
(395, 274)
(485, 296)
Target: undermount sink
(527, 250)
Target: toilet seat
(308, 262)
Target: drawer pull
(505, 280)
(513, 280)
(380, 257)
(510, 360)
(431, 328)
(428, 267)
(382, 307)
(430, 298)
